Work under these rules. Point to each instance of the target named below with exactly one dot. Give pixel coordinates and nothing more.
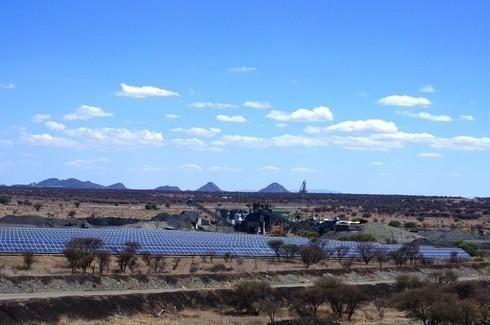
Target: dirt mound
(448, 237)
(382, 233)
(185, 220)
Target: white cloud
(195, 144)
(281, 125)
(313, 129)
(427, 89)
(86, 112)
(211, 105)
(231, 119)
(52, 125)
(242, 68)
(429, 155)
(199, 132)
(465, 143)
(38, 118)
(90, 163)
(404, 101)
(171, 116)
(248, 141)
(428, 116)
(467, 117)
(301, 170)
(270, 168)
(257, 104)
(195, 167)
(7, 86)
(456, 174)
(116, 136)
(321, 113)
(145, 91)
(151, 168)
(376, 163)
(288, 140)
(371, 125)
(223, 169)
(46, 139)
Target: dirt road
(60, 294)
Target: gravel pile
(448, 237)
(382, 233)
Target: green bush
(411, 225)
(358, 237)
(470, 248)
(4, 200)
(394, 223)
(151, 206)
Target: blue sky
(379, 97)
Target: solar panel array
(173, 242)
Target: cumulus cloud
(270, 168)
(371, 125)
(429, 155)
(224, 169)
(39, 118)
(52, 125)
(145, 91)
(199, 132)
(257, 104)
(116, 136)
(301, 170)
(7, 86)
(231, 118)
(467, 117)
(465, 143)
(211, 105)
(195, 167)
(428, 116)
(47, 139)
(427, 89)
(195, 144)
(404, 101)
(171, 116)
(86, 112)
(242, 69)
(320, 113)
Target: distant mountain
(168, 188)
(76, 183)
(117, 186)
(209, 187)
(274, 188)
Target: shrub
(403, 282)
(127, 258)
(4, 199)
(360, 237)
(399, 257)
(343, 299)
(80, 252)
(250, 295)
(394, 223)
(276, 245)
(38, 206)
(311, 298)
(217, 268)
(381, 257)
(290, 251)
(151, 206)
(367, 251)
(28, 258)
(469, 247)
(416, 302)
(443, 277)
(410, 225)
(104, 258)
(311, 254)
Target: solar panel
(177, 242)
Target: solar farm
(179, 243)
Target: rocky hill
(209, 187)
(274, 188)
(168, 188)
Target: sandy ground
(366, 315)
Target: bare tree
(276, 245)
(367, 251)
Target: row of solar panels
(175, 242)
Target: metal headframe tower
(302, 189)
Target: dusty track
(62, 294)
